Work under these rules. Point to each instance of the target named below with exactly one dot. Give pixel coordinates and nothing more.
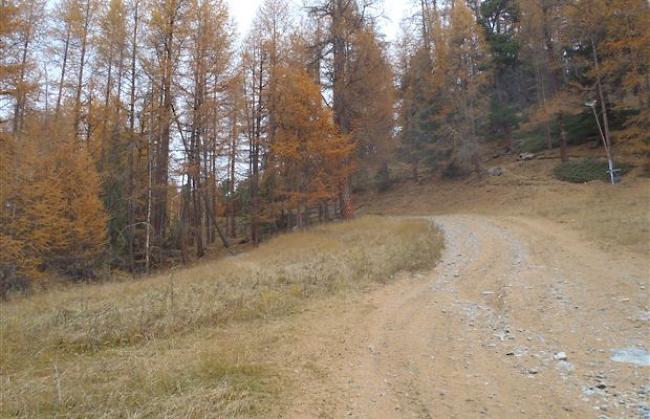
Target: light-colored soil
(477, 336)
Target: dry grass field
(191, 342)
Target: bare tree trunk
(212, 219)
(208, 191)
(233, 156)
(21, 96)
(601, 94)
(185, 215)
(82, 64)
(195, 190)
(64, 65)
(194, 156)
(109, 84)
(164, 123)
(147, 246)
(255, 148)
(131, 150)
(211, 205)
(211, 200)
(424, 6)
(300, 216)
(554, 79)
(339, 96)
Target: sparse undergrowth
(586, 170)
(109, 350)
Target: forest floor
(537, 307)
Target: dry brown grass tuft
(145, 348)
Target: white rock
(560, 356)
(526, 156)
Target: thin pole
(610, 162)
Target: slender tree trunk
(109, 84)
(550, 48)
(131, 149)
(64, 65)
(232, 231)
(82, 64)
(47, 94)
(21, 97)
(208, 191)
(195, 186)
(424, 6)
(118, 99)
(300, 213)
(554, 79)
(211, 205)
(185, 215)
(601, 95)
(164, 123)
(339, 93)
(213, 220)
(89, 126)
(211, 200)
(256, 154)
(147, 246)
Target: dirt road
(519, 319)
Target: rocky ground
(521, 318)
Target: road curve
(519, 319)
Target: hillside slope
(612, 216)
(196, 342)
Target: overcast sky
(393, 11)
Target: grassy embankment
(157, 347)
(615, 217)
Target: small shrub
(586, 170)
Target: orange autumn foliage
(51, 216)
(310, 156)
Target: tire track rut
(517, 320)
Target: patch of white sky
(390, 12)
